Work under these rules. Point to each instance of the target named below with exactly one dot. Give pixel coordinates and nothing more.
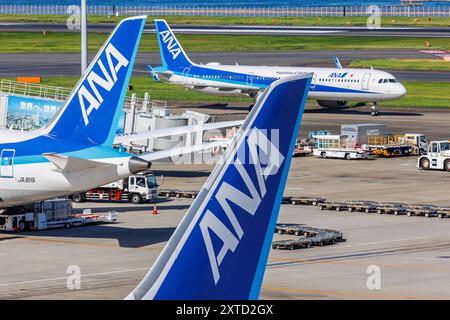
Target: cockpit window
(387, 81)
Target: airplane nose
(401, 90)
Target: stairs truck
(135, 189)
(437, 158)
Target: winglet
(337, 62)
(220, 248)
(152, 73)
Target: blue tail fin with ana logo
(172, 54)
(92, 110)
(221, 247)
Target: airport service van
(135, 189)
(336, 146)
(55, 213)
(437, 158)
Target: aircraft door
(250, 79)
(365, 81)
(185, 75)
(313, 81)
(7, 163)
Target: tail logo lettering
(171, 43)
(266, 160)
(114, 61)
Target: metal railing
(61, 94)
(215, 11)
(33, 90)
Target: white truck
(55, 213)
(437, 158)
(135, 189)
(335, 146)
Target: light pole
(84, 54)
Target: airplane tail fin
(172, 54)
(220, 248)
(92, 110)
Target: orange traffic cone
(155, 210)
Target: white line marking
(381, 242)
(63, 278)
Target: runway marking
(381, 242)
(247, 31)
(63, 278)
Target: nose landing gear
(374, 109)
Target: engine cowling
(332, 104)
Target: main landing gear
(374, 109)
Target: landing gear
(374, 109)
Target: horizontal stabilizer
(68, 164)
(127, 138)
(174, 152)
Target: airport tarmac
(68, 64)
(411, 252)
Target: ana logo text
(338, 75)
(171, 43)
(115, 61)
(266, 160)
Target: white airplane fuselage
(328, 83)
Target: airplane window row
(236, 77)
(339, 80)
(387, 81)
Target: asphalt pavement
(245, 29)
(68, 64)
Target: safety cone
(155, 210)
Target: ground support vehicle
(361, 206)
(421, 210)
(311, 237)
(338, 206)
(50, 214)
(178, 193)
(335, 146)
(135, 189)
(391, 208)
(443, 212)
(397, 145)
(292, 244)
(305, 201)
(437, 157)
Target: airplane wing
(127, 138)
(69, 164)
(174, 152)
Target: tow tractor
(437, 158)
(135, 189)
